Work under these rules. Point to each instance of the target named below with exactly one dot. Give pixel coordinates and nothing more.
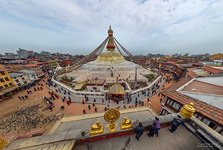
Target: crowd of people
(26, 119)
(29, 91)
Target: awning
(79, 86)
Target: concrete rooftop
(182, 139)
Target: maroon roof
(212, 70)
(209, 111)
(178, 84)
(203, 108)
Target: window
(6, 85)
(206, 121)
(6, 79)
(1, 80)
(10, 84)
(1, 87)
(212, 125)
(171, 103)
(168, 101)
(199, 117)
(176, 106)
(2, 72)
(218, 129)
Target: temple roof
(117, 89)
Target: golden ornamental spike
(96, 129)
(187, 110)
(126, 124)
(3, 143)
(111, 116)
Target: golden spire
(110, 45)
(110, 32)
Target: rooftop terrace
(182, 139)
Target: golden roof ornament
(96, 128)
(3, 143)
(126, 124)
(111, 116)
(116, 89)
(187, 110)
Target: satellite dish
(194, 90)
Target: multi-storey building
(22, 53)
(21, 79)
(6, 82)
(32, 75)
(205, 92)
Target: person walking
(142, 103)
(89, 107)
(139, 130)
(152, 130)
(62, 107)
(84, 112)
(175, 123)
(157, 125)
(96, 109)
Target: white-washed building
(31, 73)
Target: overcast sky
(141, 26)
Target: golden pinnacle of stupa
(187, 110)
(110, 55)
(110, 45)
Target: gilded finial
(3, 143)
(187, 110)
(96, 128)
(111, 116)
(126, 124)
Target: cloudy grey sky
(141, 26)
